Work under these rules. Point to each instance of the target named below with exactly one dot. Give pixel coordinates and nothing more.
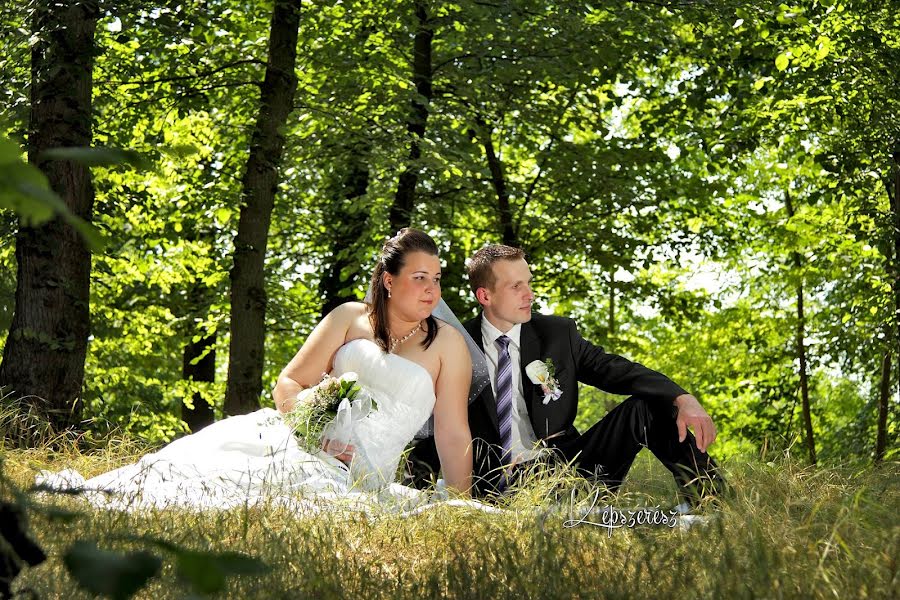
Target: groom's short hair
(480, 269)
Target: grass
(788, 532)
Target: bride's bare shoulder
(349, 310)
(346, 318)
(446, 329)
(449, 340)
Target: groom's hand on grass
(340, 450)
(691, 414)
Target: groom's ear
(483, 295)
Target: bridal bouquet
(318, 406)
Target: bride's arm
(451, 414)
(315, 356)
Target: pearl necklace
(395, 342)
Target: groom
(514, 419)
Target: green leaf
(99, 157)
(90, 234)
(16, 541)
(180, 150)
(781, 63)
(24, 190)
(236, 563)
(824, 47)
(203, 574)
(9, 151)
(111, 574)
(55, 513)
(207, 571)
(37, 205)
(223, 215)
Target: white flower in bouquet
(317, 406)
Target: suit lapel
(529, 351)
(487, 395)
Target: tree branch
(247, 61)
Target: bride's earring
(389, 292)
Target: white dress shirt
(524, 441)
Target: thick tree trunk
(350, 220)
(801, 351)
(507, 228)
(44, 356)
(260, 182)
(404, 199)
(204, 369)
(883, 396)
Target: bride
(410, 363)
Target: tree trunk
(804, 377)
(885, 391)
(801, 348)
(507, 228)
(884, 395)
(350, 221)
(204, 369)
(44, 356)
(260, 182)
(612, 305)
(198, 358)
(402, 208)
(895, 209)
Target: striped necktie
(504, 395)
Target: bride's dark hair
(392, 259)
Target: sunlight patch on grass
(787, 531)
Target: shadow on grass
(788, 531)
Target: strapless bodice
(391, 377)
(404, 399)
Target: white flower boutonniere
(541, 373)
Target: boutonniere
(541, 373)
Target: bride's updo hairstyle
(392, 259)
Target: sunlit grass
(788, 531)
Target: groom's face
(509, 302)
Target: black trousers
(606, 451)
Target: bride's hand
(340, 450)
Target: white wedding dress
(255, 458)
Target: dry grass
(788, 532)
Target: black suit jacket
(575, 360)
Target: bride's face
(416, 289)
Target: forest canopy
(709, 188)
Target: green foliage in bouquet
(317, 406)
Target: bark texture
(43, 360)
(260, 182)
(404, 200)
(801, 349)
